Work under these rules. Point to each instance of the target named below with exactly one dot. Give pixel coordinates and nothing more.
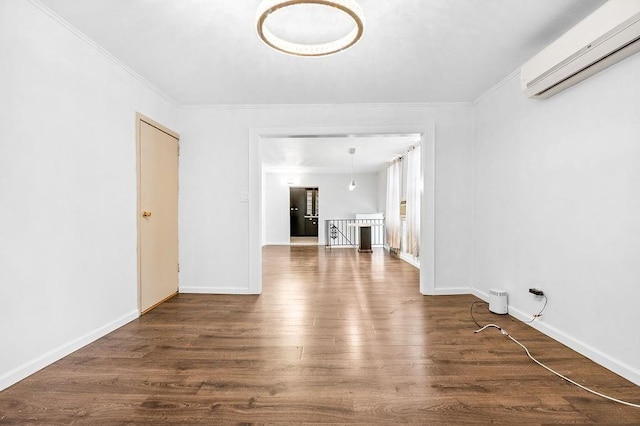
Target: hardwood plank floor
(336, 337)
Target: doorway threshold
(303, 241)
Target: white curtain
(392, 217)
(414, 189)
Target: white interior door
(157, 214)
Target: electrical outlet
(536, 292)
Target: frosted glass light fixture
(310, 27)
(353, 183)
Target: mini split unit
(605, 37)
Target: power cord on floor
(476, 303)
(539, 314)
(505, 333)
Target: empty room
(319, 211)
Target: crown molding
(513, 74)
(332, 105)
(65, 24)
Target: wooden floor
(337, 337)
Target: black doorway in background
(303, 209)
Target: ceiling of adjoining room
(207, 52)
(330, 154)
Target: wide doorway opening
(319, 157)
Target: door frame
(427, 132)
(140, 118)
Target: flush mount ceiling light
(310, 27)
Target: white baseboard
(404, 256)
(481, 294)
(628, 372)
(215, 290)
(411, 260)
(27, 369)
(450, 291)
(615, 365)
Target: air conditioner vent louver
(605, 37)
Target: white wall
(67, 190)
(557, 206)
(554, 201)
(336, 201)
(214, 171)
(68, 187)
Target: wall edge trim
(25, 370)
(104, 52)
(513, 74)
(613, 364)
(331, 105)
(214, 290)
(452, 291)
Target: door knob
(146, 214)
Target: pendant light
(353, 183)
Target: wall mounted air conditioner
(605, 37)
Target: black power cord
(476, 303)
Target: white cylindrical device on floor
(498, 301)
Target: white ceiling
(207, 52)
(330, 154)
(204, 52)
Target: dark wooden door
(311, 227)
(303, 210)
(297, 211)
